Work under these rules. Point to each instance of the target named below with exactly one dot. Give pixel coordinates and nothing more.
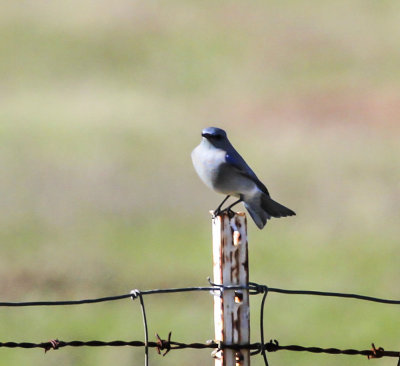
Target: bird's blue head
(214, 135)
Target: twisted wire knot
(256, 289)
(135, 294)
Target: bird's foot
(228, 210)
(216, 213)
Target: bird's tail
(264, 208)
(274, 208)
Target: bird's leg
(217, 211)
(229, 208)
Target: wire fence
(164, 346)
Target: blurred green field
(101, 104)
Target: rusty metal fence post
(231, 307)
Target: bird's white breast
(207, 162)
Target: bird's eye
(218, 137)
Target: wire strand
(135, 294)
(334, 294)
(262, 326)
(253, 288)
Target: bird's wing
(237, 162)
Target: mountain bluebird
(222, 169)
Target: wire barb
(163, 344)
(52, 344)
(376, 352)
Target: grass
(99, 111)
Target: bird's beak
(206, 135)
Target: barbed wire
(168, 345)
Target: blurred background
(101, 104)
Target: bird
(222, 169)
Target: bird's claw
(218, 212)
